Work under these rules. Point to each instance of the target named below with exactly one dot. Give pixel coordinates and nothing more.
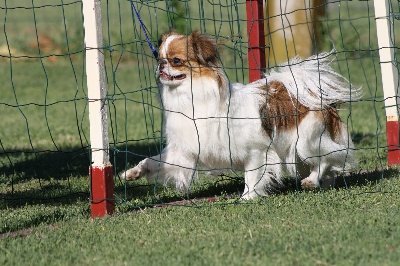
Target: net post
(101, 171)
(390, 78)
(256, 42)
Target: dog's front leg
(172, 164)
(138, 171)
(149, 167)
(262, 172)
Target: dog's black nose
(162, 64)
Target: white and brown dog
(265, 128)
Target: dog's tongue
(169, 77)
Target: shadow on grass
(359, 179)
(69, 187)
(232, 188)
(57, 176)
(362, 139)
(62, 178)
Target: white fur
(209, 130)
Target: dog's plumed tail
(313, 81)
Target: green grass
(341, 227)
(44, 153)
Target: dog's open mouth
(164, 75)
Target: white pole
(96, 82)
(100, 171)
(390, 78)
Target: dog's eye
(176, 61)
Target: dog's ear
(205, 49)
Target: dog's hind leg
(320, 176)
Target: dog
(265, 128)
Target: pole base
(102, 200)
(392, 134)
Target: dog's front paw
(136, 172)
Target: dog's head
(184, 58)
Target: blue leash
(153, 50)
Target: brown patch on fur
(331, 119)
(205, 49)
(283, 112)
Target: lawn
(45, 151)
(357, 226)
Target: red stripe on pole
(255, 29)
(392, 134)
(102, 190)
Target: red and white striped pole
(390, 77)
(100, 171)
(256, 43)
